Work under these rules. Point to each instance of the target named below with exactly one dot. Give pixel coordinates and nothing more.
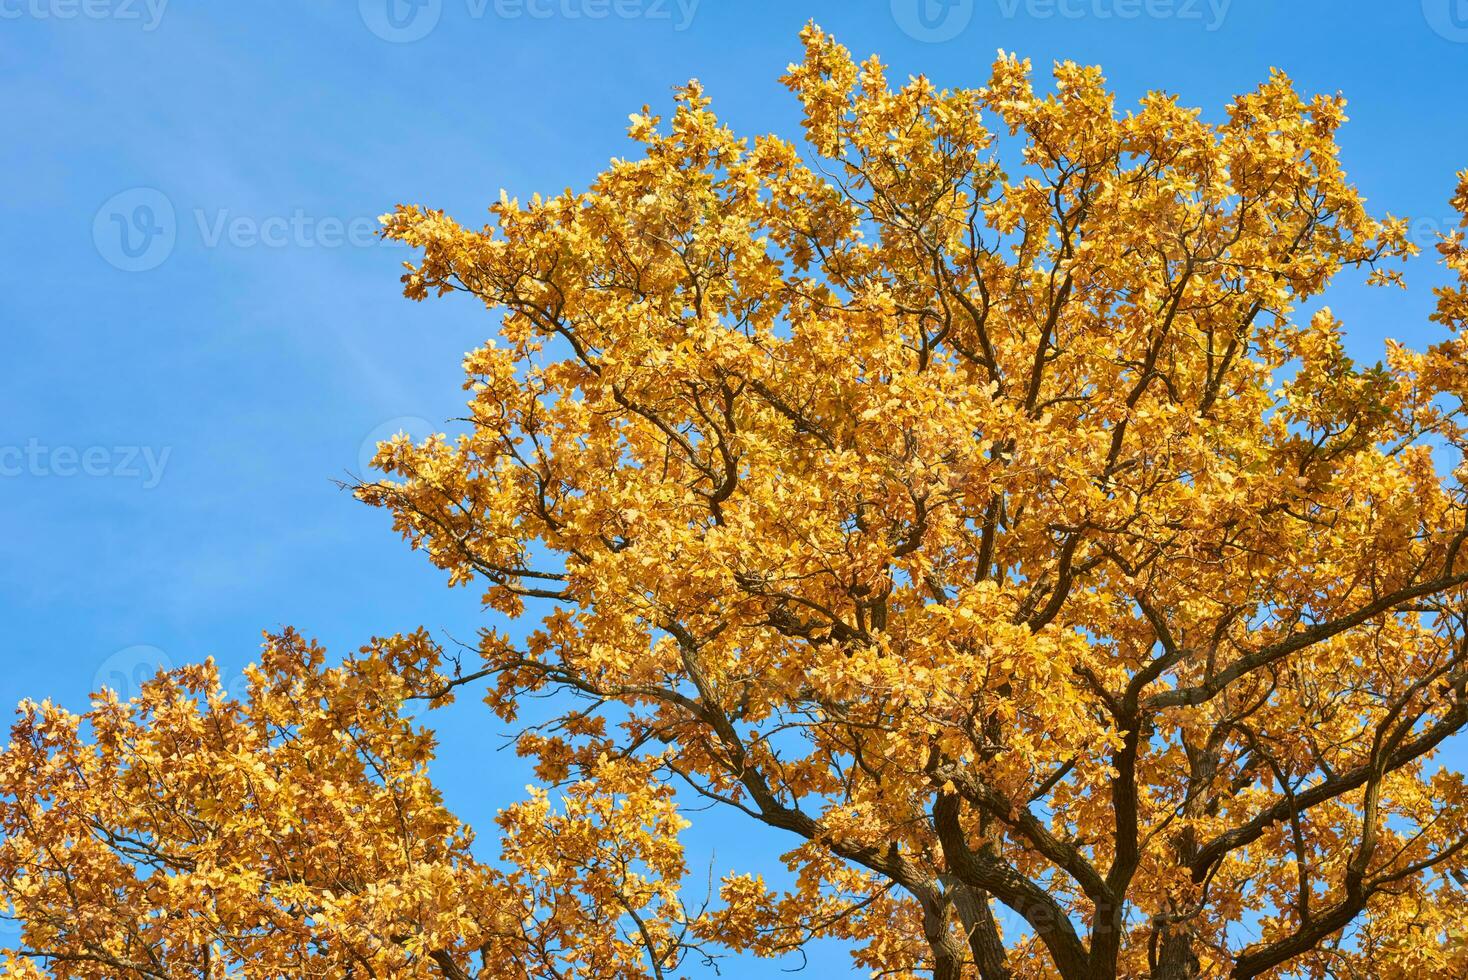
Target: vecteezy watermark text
(1210, 13)
(35, 459)
(943, 20)
(149, 13)
(138, 229)
(297, 230)
(403, 21)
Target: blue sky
(198, 333)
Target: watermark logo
(401, 21)
(136, 230)
(1449, 18)
(412, 426)
(148, 13)
(37, 460)
(933, 20)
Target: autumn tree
(975, 496)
